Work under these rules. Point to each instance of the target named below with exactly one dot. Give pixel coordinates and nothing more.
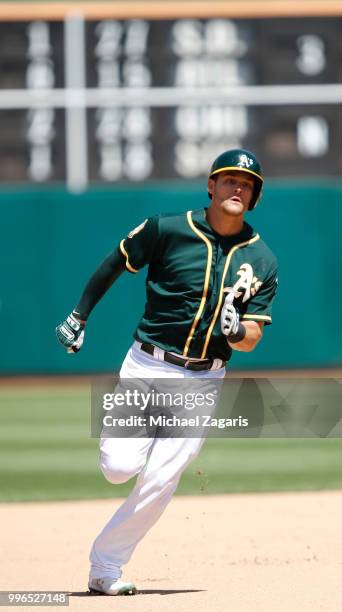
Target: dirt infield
(235, 553)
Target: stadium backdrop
(114, 111)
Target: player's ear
(210, 187)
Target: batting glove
(229, 316)
(70, 333)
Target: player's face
(231, 191)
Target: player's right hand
(229, 316)
(70, 333)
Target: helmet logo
(245, 161)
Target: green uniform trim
(206, 282)
(219, 303)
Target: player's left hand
(229, 316)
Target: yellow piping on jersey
(225, 270)
(124, 252)
(205, 286)
(255, 316)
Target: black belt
(196, 366)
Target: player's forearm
(102, 279)
(252, 337)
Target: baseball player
(209, 290)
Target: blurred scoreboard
(137, 142)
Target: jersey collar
(199, 218)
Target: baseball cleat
(108, 586)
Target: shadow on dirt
(139, 592)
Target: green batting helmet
(244, 161)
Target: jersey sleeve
(259, 307)
(140, 244)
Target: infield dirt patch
(255, 553)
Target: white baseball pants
(159, 463)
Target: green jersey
(190, 269)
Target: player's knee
(115, 477)
(116, 471)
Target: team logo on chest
(248, 284)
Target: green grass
(46, 453)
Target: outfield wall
(51, 241)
